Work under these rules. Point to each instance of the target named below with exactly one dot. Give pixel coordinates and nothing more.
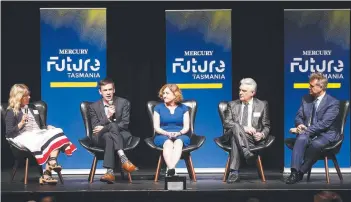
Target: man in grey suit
(316, 127)
(110, 119)
(246, 124)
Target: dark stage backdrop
(136, 58)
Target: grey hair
(249, 82)
(322, 80)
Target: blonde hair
(175, 90)
(17, 92)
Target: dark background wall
(136, 57)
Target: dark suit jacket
(99, 118)
(12, 121)
(327, 113)
(233, 115)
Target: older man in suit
(316, 127)
(110, 120)
(246, 124)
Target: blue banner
(316, 41)
(73, 60)
(198, 59)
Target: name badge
(256, 114)
(35, 111)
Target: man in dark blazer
(316, 127)
(110, 120)
(246, 124)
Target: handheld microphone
(113, 117)
(26, 111)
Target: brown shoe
(129, 167)
(109, 178)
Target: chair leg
(60, 176)
(326, 169)
(26, 172)
(336, 165)
(260, 167)
(158, 168)
(192, 169)
(130, 178)
(93, 169)
(309, 174)
(188, 167)
(226, 171)
(14, 170)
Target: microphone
(26, 111)
(113, 117)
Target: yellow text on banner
(307, 85)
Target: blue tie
(314, 112)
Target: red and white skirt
(42, 142)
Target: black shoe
(170, 172)
(300, 175)
(250, 157)
(233, 177)
(294, 177)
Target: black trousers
(111, 140)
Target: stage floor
(143, 187)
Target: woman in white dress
(26, 129)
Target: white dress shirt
(319, 99)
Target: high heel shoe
(48, 180)
(55, 167)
